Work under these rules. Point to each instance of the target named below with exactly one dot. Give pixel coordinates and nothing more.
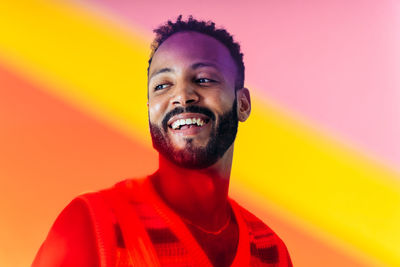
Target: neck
(200, 196)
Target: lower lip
(191, 130)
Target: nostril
(190, 101)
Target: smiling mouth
(186, 123)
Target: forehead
(191, 47)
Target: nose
(184, 95)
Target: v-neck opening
(180, 229)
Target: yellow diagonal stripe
(102, 69)
(99, 67)
(313, 177)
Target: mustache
(189, 109)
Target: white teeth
(199, 122)
(182, 122)
(175, 125)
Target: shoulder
(72, 240)
(265, 244)
(84, 232)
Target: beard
(222, 137)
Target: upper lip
(187, 116)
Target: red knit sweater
(129, 225)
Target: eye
(204, 80)
(161, 86)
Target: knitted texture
(266, 248)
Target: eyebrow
(161, 71)
(203, 64)
(193, 67)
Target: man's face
(192, 101)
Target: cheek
(155, 111)
(220, 103)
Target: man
(181, 215)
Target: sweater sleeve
(71, 240)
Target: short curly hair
(205, 27)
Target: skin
(177, 80)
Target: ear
(243, 104)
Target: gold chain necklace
(217, 232)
